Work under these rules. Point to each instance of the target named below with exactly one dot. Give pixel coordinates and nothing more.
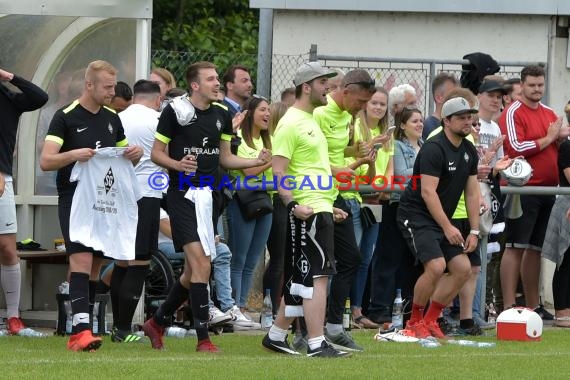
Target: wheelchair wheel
(160, 277)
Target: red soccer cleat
(84, 341)
(155, 332)
(418, 329)
(206, 345)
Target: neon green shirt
(299, 139)
(247, 152)
(461, 210)
(383, 157)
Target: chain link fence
(388, 72)
(391, 72)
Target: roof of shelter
(140, 9)
(523, 7)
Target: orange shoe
(419, 329)
(14, 325)
(84, 341)
(206, 345)
(434, 330)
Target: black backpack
(480, 65)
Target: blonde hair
(382, 123)
(276, 112)
(95, 67)
(165, 75)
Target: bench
(50, 256)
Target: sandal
(365, 323)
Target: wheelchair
(162, 273)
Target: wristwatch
(474, 232)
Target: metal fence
(387, 71)
(280, 77)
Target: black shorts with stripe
(426, 241)
(313, 240)
(183, 222)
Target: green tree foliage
(222, 31)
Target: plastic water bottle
(471, 343)
(397, 311)
(346, 315)
(96, 319)
(429, 343)
(176, 331)
(492, 318)
(68, 317)
(267, 311)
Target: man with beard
(532, 130)
(300, 152)
(447, 164)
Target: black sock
(102, 288)
(130, 294)
(116, 284)
(79, 296)
(176, 297)
(200, 308)
(466, 323)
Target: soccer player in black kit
(75, 132)
(197, 133)
(447, 164)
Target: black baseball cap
(490, 86)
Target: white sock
(315, 343)
(11, 279)
(334, 329)
(276, 333)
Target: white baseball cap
(456, 106)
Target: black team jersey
(75, 127)
(438, 157)
(201, 138)
(12, 105)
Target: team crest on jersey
(466, 157)
(219, 125)
(109, 180)
(110, 128)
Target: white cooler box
(519, 323)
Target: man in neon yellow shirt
(357, 87)
(299, 151)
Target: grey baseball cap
(311, 70)
(456, 106)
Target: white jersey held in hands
(104, 211)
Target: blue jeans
(221, 269)
(247, 240)
(367, 243)
(354, 206)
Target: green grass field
(244, 358)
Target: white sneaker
(217, 317)
(240, 321)
(399, 336)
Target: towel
(557, 239)
(202, 198)
(184, 110)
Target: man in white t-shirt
(490, 140)
(139, 121)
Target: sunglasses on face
(368, 84)
(476, 124)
